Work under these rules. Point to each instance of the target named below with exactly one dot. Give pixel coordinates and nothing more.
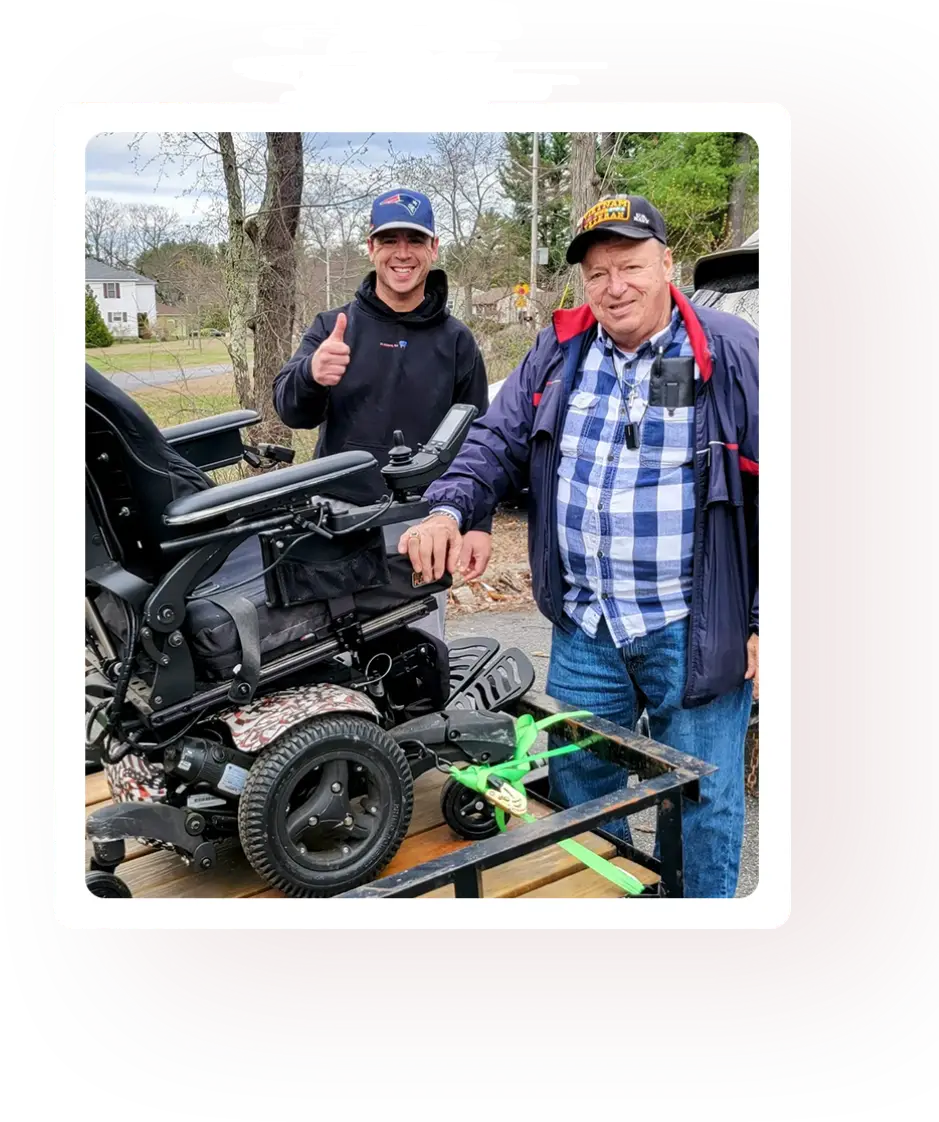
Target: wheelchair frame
(666, 777)
(154, 602)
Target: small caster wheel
(466, 812)
(106, 884)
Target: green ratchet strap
(511, 772)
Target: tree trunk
(274, 236)
(236, 273)
(738, 191)
(583, 190)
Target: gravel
(530, 631)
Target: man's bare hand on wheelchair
(433, 546)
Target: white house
(121, 295)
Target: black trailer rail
(665, 779)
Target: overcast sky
(112, 172)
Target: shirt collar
(661, 339)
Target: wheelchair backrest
(131, 474)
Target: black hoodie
(405, 371)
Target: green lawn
(207, 397)
(172, 354)
(172, 406)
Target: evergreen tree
(690, 177)
(554, 203)
(96, 331)
(705, 185)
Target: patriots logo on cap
(409, 203)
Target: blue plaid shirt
(626, 516)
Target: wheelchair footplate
(484, 678)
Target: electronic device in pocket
(671, 383)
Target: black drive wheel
(106, 884)
(326, 806)
(466, 812)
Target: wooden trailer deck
(546, 872)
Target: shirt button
(599, 552)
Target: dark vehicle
(730, 280)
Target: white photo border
(74, 125)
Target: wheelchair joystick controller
(399, 456)
(408, 471)
(399, 452)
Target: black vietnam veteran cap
(630, 216)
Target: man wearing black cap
(392, 358)
(634, 422)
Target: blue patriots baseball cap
(402, 210)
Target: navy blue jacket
(517, 445)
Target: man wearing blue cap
(392, 358)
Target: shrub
(143, 326)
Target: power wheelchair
(255, 662)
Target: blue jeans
(649, 672)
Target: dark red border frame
(864, 921)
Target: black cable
(127, 669)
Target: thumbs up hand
(331, 357)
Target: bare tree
(149, 227)
(736, 217)
(584, 186)
(227, 172)
(461, 177)
(237, 270)
(334, 223)
(273, 231)
(103, 218)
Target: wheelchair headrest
(132, 474)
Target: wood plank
(525, 874)
(163, 874)
(96, 788)
(440, 840)
(427, 812)
(587, 884)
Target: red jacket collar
(575, 321)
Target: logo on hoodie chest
(400, 345)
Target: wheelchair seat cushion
(212, 633)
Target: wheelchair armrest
(287, 488)
(212, 442)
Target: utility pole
(533, 295)
(329, 302)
